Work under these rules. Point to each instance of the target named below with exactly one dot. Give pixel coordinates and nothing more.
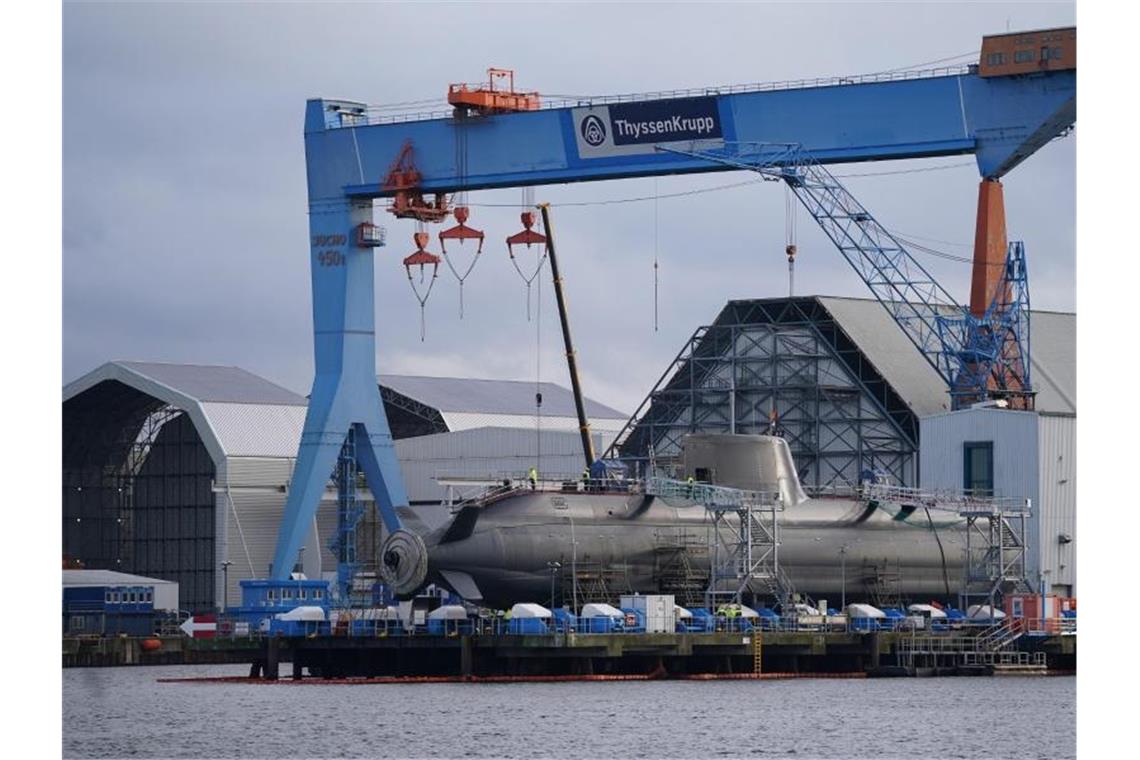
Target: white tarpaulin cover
(601, 610)
(982, 612)
(303, 613)
(926, 609)
(448, 612)
(864, 611)
(529, 610)
(681, 612)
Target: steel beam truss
(838, 414)
(977, 358)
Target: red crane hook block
(527, 236)
(461, 231)
(422, 258)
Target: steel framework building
(783, 364)
(835, 376)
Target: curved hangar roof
(239, 414)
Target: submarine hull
(826, 546)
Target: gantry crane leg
(345, 393)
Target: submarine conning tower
(750, 462)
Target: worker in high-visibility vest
(689, 482)
(532, 476)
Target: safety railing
(957, 501)
(481, 490)
(375, 114)
(716, 497)
(1047, 626)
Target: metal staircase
(743, 538)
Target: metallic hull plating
(508, 550)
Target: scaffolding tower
(996, 537)
(743, 539)
(679, 558)
(996, 550)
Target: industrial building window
(979, 467)
(1023, 56)
(317, 594)
(107, 597)
(1050, 53)
(995, 59)
(301, 594)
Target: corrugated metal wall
(251, 493)
(1034, 457)
(464, 421)
(486, 452)
(1057, 441)
(1014, 435)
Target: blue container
(702, 620)
(864, 624)
(527, 625)
(564, 621)
(444, 627)
(600, 624)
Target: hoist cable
(655, 252)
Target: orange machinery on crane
(485, 99)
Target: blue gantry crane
(978, 357)
(354, 157)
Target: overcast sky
(185, 229)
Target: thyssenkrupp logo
(593, 130)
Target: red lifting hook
(461, 231)
(422, 258)
(527, 236)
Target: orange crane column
(989, 246)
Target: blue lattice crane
(978, 357)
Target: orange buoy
(151, 645)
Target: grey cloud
(184, 183)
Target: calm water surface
(124, 712)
